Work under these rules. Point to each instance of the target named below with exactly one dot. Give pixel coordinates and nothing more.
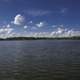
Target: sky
(39, 18)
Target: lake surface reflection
(40, 60)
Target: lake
(40, 60)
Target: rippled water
(40, 60)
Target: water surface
(40, 60)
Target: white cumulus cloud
(19, 19)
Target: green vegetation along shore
(42, 38)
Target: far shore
(41, 38)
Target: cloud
(34, 28)
(60, 31)
(63, 10)
(38, 12)
(41, 24)
(54, 26)
(36, 31)
(30, 22)
(8, 26)
(8, 32)
(64, 32)
(5, 32)
(18, 20)
(25, 27)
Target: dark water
(40, 60)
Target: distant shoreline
(40, 38)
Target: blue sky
(25, 16)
